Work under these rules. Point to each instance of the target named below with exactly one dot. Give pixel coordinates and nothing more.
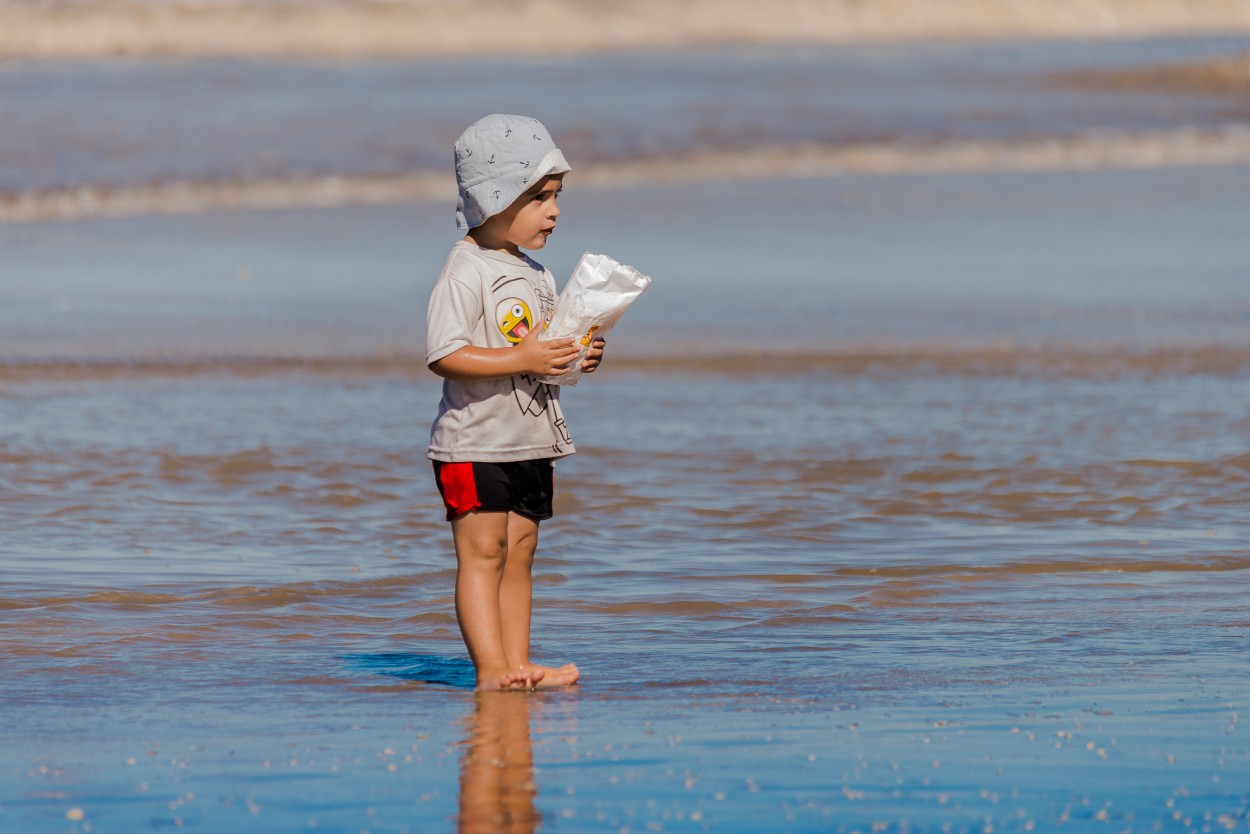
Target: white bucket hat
(497, 158)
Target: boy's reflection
(497, 771)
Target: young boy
(499, 428)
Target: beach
(434, 28)
(908, 498)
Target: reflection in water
(497, 786)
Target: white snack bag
(592, 301)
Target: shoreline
(445, 30)
(1104, 360)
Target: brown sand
(1226, 75)
(567, 26)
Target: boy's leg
(482, 543)
(516, 592)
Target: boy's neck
(485, 241)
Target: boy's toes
(523, 679)
(565, 675)
(520, 680)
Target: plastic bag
(593, 300)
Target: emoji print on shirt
(514, 319)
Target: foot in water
(550, 677)
(521, 680)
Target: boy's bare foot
(551, 677)
(527, 678)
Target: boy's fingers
(569, 362)
(553, 343)
(557, 354)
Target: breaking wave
(1184, 147)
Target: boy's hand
(594, 355)
(541, 358)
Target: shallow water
(917, 506)
(1117, 263)
(882, 605)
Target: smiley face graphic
(514, 319)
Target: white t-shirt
(491, 299)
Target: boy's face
(527, 223)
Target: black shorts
(523, 486)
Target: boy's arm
(529, 356)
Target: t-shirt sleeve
(455, 310)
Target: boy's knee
(527, 540)
(482, 545)
(520, 558)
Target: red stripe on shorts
(459, 488)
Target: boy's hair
(497, 158)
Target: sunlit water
(902, 502)
(913, 503)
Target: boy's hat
(497, 158)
